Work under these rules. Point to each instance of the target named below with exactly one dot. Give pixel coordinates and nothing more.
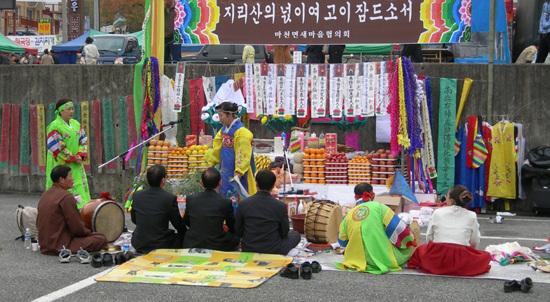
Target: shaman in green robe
(65, 142)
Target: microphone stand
(123, 162)
(287, 164)
(123, 154)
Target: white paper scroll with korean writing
(281, 71)
(178, 86)
(209, 86)
(259, 84)
(271, 89)
(359, 71)
(319, 88)
(323, 22)
(369, 83)
(302, 90)
(383, 99)
(350, 89)
(318, 108)
(290, 89)
(249, 86)
(379, 91)
(336, 89)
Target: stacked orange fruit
(157, 153)
(359, 170)
(177, 162)
(314, 165)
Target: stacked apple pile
(383, 166)
(336, 168)
(359, 170)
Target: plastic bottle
(201, 133)
(28, 242)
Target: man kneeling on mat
(205, 214)
(152, 210)
(59, 223)
(262, 220)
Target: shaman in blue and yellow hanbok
(232, 153)
(377, 241)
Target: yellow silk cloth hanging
(463, 97)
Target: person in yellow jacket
(232, 155)
(249, 53)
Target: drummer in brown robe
(59, 223)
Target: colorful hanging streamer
(151, 102)
(14, 138)
(25, 148)
(5, 143)
(108, 136)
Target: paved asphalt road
(26, 275)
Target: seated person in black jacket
(262, 220)
(152, 210)
(205, 214)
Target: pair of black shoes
(524, 285)
(107, 259)
(305, 270)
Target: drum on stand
(105, 217)
(322, 222)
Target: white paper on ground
(505, 214)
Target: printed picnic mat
(200, 267)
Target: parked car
(117, 49)
(225, 54)
(24, 33)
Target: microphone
(173, 122)
(295, 192)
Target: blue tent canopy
(191, 47)
(480, 25)
(76, 44)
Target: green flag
(446, 135)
